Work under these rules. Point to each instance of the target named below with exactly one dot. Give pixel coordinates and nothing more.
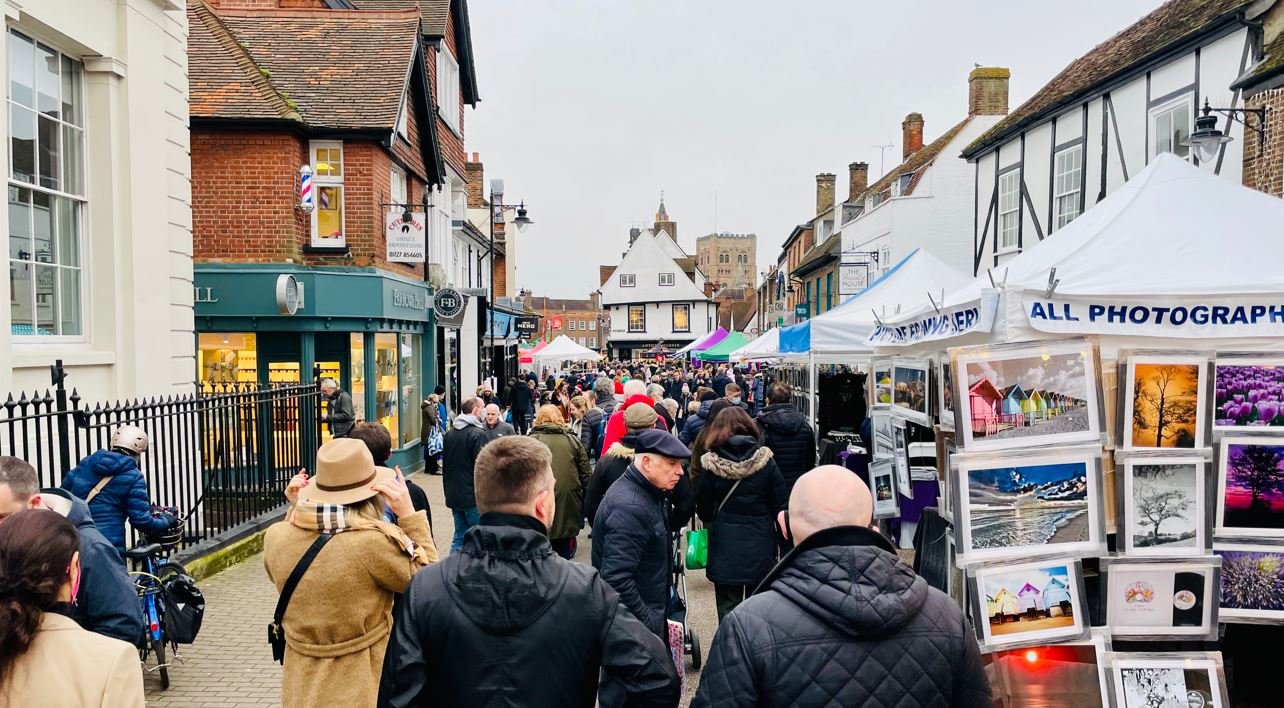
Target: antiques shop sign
(1213, 316)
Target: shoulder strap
(297, 574)
(97, 488)
(733, 491)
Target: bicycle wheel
(158, 646)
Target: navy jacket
(631, 548)
(107, 602)
(695, 423)
(124, 496)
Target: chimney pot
(911, 135)
(987, 91)
(825, 191)
(858, 179)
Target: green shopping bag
(697, 548)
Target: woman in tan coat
(46, 659)
(338, 620)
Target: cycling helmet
(129, 438)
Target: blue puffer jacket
(695, 423)
(125, 495)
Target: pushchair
(678, 598)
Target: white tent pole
(811, 392)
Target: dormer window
(666, 279)
(628, 280)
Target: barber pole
(305, 188)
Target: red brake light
(1031, 656)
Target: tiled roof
(915, 165)
(223, 79)
(604, 273)
(816, 257)
(344, 69)
(1172, 22)
(538, 303)
(434, 13)
(1271, 65)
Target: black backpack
(184, 609)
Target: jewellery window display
(357, 385)
(386, 393)
(411, 387)
(228, 358)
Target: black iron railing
(222, 455)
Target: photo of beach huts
(1028, 395)
(1029, 599)
(1051, 676)
(1165, 408)
(1018, 508)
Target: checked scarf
(320, 517)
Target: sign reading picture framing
(405, 239)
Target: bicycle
(156, 570)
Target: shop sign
(205, 296)
(852, 278)
(448, 303)
(405, 239)
(527, 326)
(410, 299)
(800, 311)
(289, 294)
(975, 316)
(1188, 318)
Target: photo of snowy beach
(1013, 509)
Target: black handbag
(276, 635)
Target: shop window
(387, 408)
(228, 358)
(1066, 185)
(681, 318)
(357, 375)
(449, 99)
(46, 190)
(1169, 127)
(327, 183)
(637, 318)
(412, 393)
(1009, 210)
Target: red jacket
(615, 427)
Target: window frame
(448, 87)
(79, 200)
(319, 181)
(402, 185)
(1014, 226)
(592, 325)
(1185, 101)
(592, 342)
(628, 280)
(672, 280)
(570, 326)
(673, 317)
(628, 316)
(1073, 157)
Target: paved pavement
(231, 665)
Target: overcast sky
(591, 107)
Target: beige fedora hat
(345, 473)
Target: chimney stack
(476, 184)
(987, 91)
(857, 179)
(911, 135)
(825, 191)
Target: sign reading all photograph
(1252, 582)
(1250, 487)
(1198, 320)
(1031, 602)
(1163, 506)
(406, 239)
(1038, 394)
(1248, 392)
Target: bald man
(842, 620)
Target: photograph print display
(1250, 487)
(1252, 586)
(901, 457)
(1165, 408)
(882, 474)
(1031, 602)
(1163, 505)
(909, 389)
(1050, 676)
(1160, 599)
(884, 443)
(1037, 394)
(946, 392)
(1247, 393)
(1176, 682)
(882, 382)
(1030, 505)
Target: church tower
(662, 222)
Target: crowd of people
(814, 605)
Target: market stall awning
(657, 351)
(918, 279)
(722, 350)
(563, 349)
(524, 357)
(704, 343)
(765, 347)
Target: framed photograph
(1165, 408)
(945, 394)
(1247, 392)
(1031, 602)
(1160, 680)
(1250, 487)
(881, 376)
(1070, 674)
(882, 474)
(1046, 393)
(1044, 503)
(884, 444)
(1162, 599)
(900, 454)
(910, 389)
(1252, 582)
(1163, 506)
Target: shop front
(362, 327)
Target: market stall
(721, 351)
(563, 349)
(526, 356)
(703, 343)
(764, 347)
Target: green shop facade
(368, 329)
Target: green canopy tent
(723, 349)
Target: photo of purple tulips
(1248, 393)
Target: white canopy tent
(563, 349)
(1176, 258)
(765, 347)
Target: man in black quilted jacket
(786, 431)
(842, 620)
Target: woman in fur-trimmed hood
(740, 492)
